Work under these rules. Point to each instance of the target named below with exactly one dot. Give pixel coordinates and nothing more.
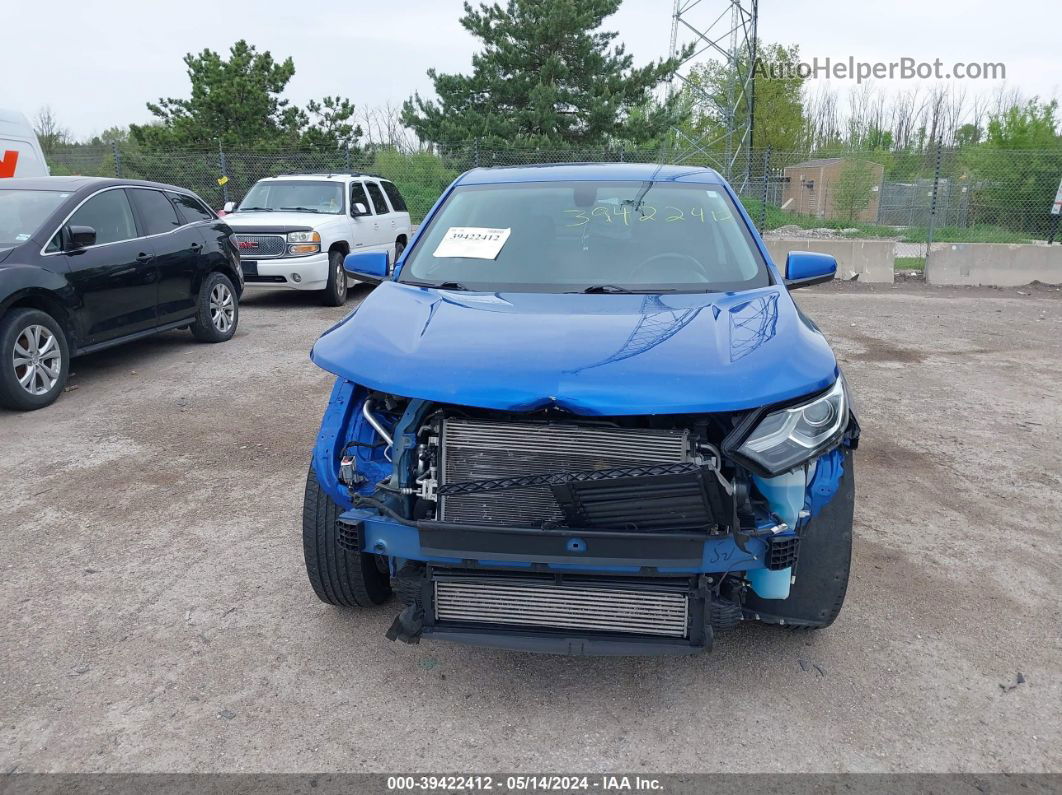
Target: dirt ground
(155, 614)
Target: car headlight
(788, 437)
(304, 237)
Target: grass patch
(980, 233)
(909, 264)
(776, 217)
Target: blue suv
(583, 416)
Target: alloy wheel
(341, 280)
(37, 359)
(222, 308)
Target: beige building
(833, 188)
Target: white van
(20, 153)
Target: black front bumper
(565, 545)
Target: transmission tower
(724, 30)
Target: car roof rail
(330, 174)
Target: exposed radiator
(531, 603)
(480, 450)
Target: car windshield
(294, 196)
(23, 211)
(588, 237)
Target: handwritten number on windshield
(646, 212)
(580, 214)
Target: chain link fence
(919, 199)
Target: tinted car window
(396, 198)
(377, 198)
(357, 194)
(191, 208)
(109, 214)
(156, 211)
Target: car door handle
(142, 257)
(196, 247)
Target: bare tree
(859, 109)
(384, 129)
(50, 133)
(907, 112)
(954, 112)
(1005, 98)
(823, 118)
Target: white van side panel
(20, 153)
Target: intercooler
(482, 450)
(600, 607)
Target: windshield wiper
(254, 209)
(301, 209)
(441, 286)
(615, 288)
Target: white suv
(294, 230)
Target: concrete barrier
(995, 264)
(872, 259)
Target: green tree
(1016, 168)
(237, 101)
(852, 191)
(420, 176)
(112, 135)
(779, 122)
(968, 135)
(329, 124)
(547, 76)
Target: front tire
(338, 576)
(823, 567)
(218, 311)
(335, 293)
(34, 360)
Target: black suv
(87, 263)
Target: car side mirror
(370, 264)
(805, 268)
(80, 237)
(360, 209)
(229, 207)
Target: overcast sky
(97, 63)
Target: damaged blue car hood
(595, 354)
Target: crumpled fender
(829, 469)
(332, 438)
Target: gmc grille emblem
(248, 244)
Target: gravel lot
(156, 615)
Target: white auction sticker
(476, 242)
